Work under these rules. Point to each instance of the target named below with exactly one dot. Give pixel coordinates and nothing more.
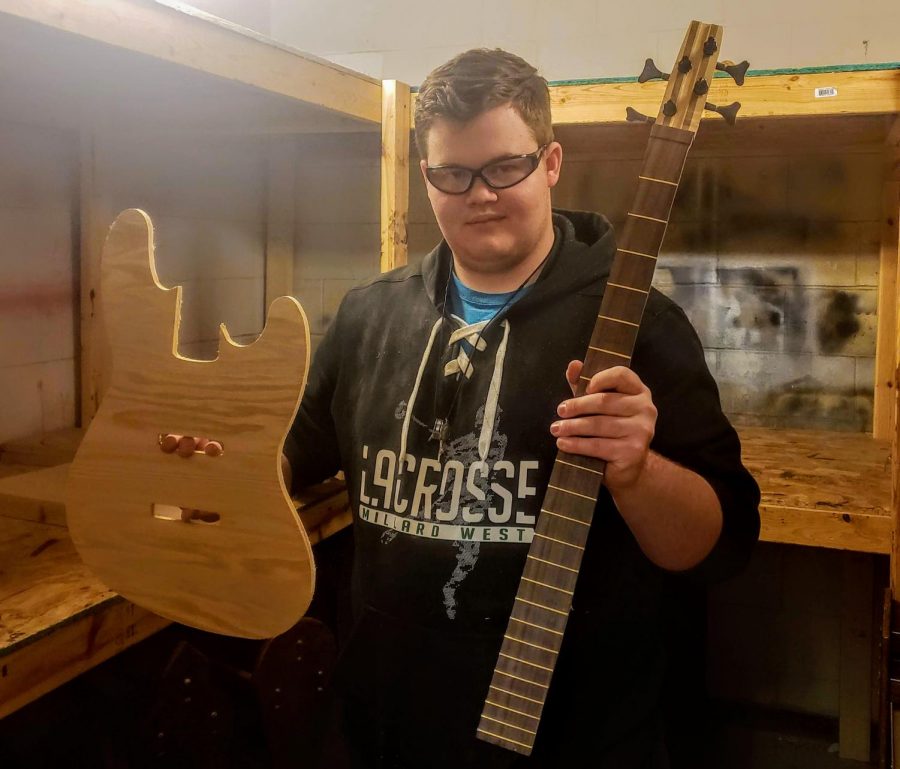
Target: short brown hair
(476, 81)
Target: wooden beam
(886, 339)
(782, 95)
(195, 41)
(394, 174)
(94, 220)
(281, 206)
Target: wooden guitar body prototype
(211, 539)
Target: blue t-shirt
(475, 306)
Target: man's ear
(423, 166)
(553, 160)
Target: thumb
(573, 371)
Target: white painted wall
(570, 39)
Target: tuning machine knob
(729, 111)
(651, 72)
(737, 71)
(633, 116)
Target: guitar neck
(533, 638)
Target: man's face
(492, 231)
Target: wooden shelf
(57, 619)
(789, 94)
(823, 489)
(148, 65)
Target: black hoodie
(441, 535)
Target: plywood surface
(249, 572)
(825, 489)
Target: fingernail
(554, 428)
(563, 407)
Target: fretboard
(531, 644)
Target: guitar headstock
(689, 81)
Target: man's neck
(509, 280)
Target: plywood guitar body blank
(251, 573)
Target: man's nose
(480, 192)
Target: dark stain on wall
(838, 322)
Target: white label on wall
(822, 93)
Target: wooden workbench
(57, 620)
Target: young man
(443, 391)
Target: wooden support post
(280, 206)
(94, 221)
(890, 347)
(855, 705)
(888, 281)
(394, 173)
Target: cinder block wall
(38, 300)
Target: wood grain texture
(195, 42)
(822, 489)
(394, 174)
(529, 652)
(886, 355)
(249, 574)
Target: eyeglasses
(498, 174)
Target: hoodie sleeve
(692, 431)
(311, 445)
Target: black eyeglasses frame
(478, 173)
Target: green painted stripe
(883, 66)
(886, 66)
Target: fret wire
(580, 467)
(619, 320)
(528, 643)
(630, 288)
(566, 517)
(552, 587)
(513, 694)
(558, 565)
(512, 710)
(569, 491)
(505, 739)
(526, 662)
(518, 678)
(610, 352)
(508, 726)
(558, 541)
(661, 181)
(650, 218)
(541, 606)
(539, 627)
(637, 253)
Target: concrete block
(220, 177)
(329, 194)
(333, 293)
(40, 167)
(236, 302)
(337, 251)
(817, 253)
(37, 397)
(836, 187)
(309, 293)
(208, 249)
(868, 260)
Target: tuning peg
(633, 116)
(701, 87)
(710, 46)
(685, 65)
(669, 108)
(729, 112)
(651, 72)
(737, 71)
